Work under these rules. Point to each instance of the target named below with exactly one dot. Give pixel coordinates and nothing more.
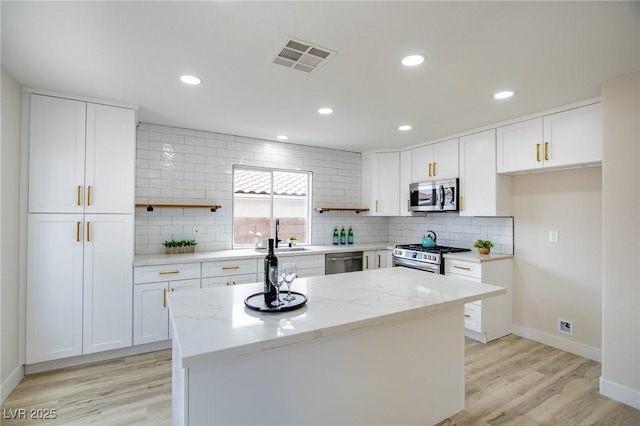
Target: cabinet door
(519, 146)
(482, 191)
(108, 282)
(56, 155)
(110, 160)
(382, 258)
(381, 180)
(573, 137)
(445, 159)
(422, 163)
(150, 313)
(54, 287)
(184, 285)
(405, 181)
(368, 260)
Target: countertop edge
(472, 256)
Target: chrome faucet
(277, 230)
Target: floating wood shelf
(150, 207)
(340, 209)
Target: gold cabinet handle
(89, 195)
(379, 261)
(164, 297)
(376, 205)
(430, 164)
(408, 205)
(225, 268)
(88, 231)
(461, 203)
(546, 151)
(233, 283)
(434, 168)
(79, 195)
(467, 316)
(466, 268)
(78, 225)
(366, 258)
(168, 272)
(537, 152)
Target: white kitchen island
(383, 346)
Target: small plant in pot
(170, 246)
(483, 246)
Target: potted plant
(483, 246)
(170, 246)
(191, 246)
(293, 240)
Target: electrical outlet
(553, 236)
(565, 326)
(199, 230)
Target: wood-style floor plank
(509, 382)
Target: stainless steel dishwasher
(336, 263)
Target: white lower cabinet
(375, 259)
(78, 284)
(150, 311)
(229, 272)
(492, 318)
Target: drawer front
(158, 273)
(229, 267)
(473, 317)
(310, 272)
(313, 261)
(460, 267)
(228, 280)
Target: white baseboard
(559, 342)
(97, 357)
(620, 393)
(12, 381)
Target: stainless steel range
(426, 259)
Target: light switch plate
(553, 236)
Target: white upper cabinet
(82, 157)
(436, 161)
(482, 191)
(380, 183)
(405, 181)
(565, 139)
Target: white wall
(10, 369)
(564, 279)
(621, 243)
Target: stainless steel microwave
(434, 196)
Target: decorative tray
(256, 302)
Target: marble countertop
(474, 256)
(212, 324)
(168, 259)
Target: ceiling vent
(302, 56)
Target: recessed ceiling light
(503, 95)
(325, 110)
(404, 127)
(190, 79)
(282, 137)
(413, 60)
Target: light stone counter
(168, 259)
(474, 256)
(381, 346)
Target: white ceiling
(551, 54)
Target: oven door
(414, 264)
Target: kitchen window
(260, 196)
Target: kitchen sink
(283, 249)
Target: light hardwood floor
(511, 381)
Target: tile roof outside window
(257, 182)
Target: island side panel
(409, 371)
(179, 387)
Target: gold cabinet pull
(79, 195)
(379, 261)
(89, 195)
(430, 164)
(376, 205)
(434, 168)
(88, 231)
(78, 225)
(168, 272)
(233, 283)
(467, 316)
(164, 297)
(226, 268)
(546, 151)
(466, 268)
(537, 152)
(461, 203)
(228, 284)
(366, 258)
(408, 205)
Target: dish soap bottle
(336, 236)
(343, 236)
(350, 236)
(270, 291)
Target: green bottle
(336, 236)
(343, 236)
(350, 236)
